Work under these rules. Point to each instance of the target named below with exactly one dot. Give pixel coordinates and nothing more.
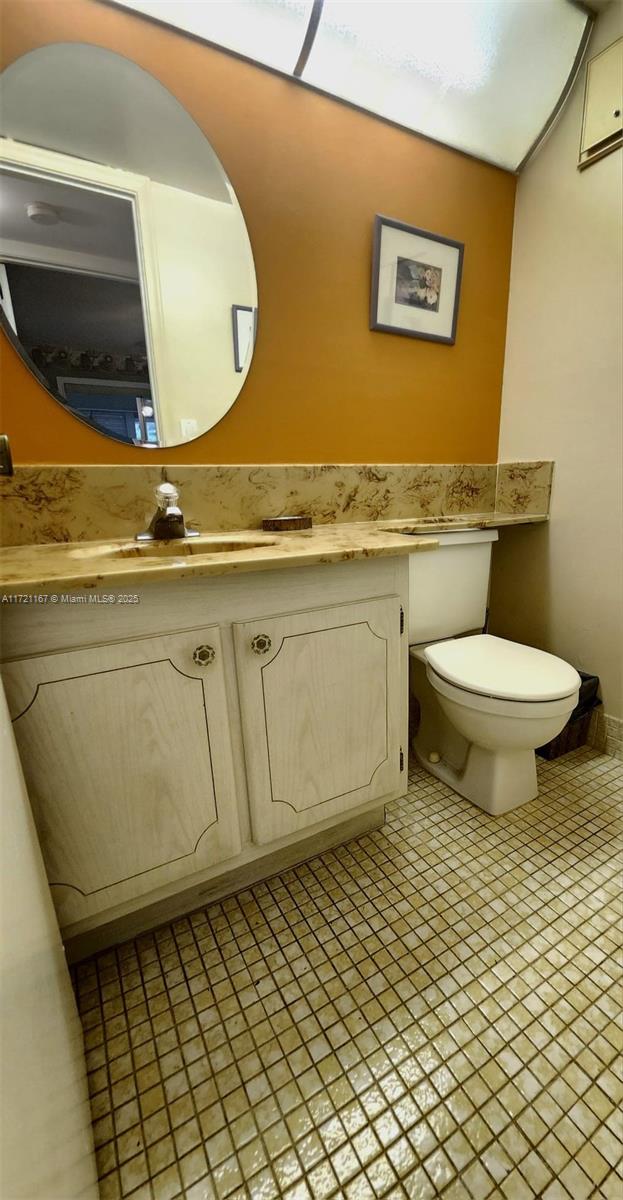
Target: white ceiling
(89, 102)
(91, 224)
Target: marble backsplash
(85, 503)
(524, 487)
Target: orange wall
(310, 174)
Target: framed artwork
(244, 328)
(416, 282)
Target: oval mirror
(126, 273)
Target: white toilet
(485, 703)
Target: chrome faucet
(6, 461)
(168, 519)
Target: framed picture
(416, 282)
(244, 327)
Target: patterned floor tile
(430, 1010)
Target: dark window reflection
(85, 335)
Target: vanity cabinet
(127, 759)
(320, 700)
(217, 731)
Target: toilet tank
(449, 587)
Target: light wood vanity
(214, 730)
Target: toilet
(485, 703)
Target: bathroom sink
(176, 548)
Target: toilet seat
(490, 667)
(497, 705)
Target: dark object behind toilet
(575, 732)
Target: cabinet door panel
(320, 695)
(127, 759)
(602, 100)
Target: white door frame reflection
(35, 163)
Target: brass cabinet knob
(204, 655)
(261, 643)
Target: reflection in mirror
(58, 240)
(124, 255)
(243, 319)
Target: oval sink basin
(176, 548)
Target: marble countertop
(120, 563)
(462, 521)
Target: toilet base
(497, 781)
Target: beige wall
(45, 1127)
(204, 265)
(561, 587)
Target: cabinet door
(127, 758)
(321, 705)
(603, 99)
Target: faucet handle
(166, 494)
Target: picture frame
(416, 282)
(244, 329)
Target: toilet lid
(491, 666)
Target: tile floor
(427, 1011)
